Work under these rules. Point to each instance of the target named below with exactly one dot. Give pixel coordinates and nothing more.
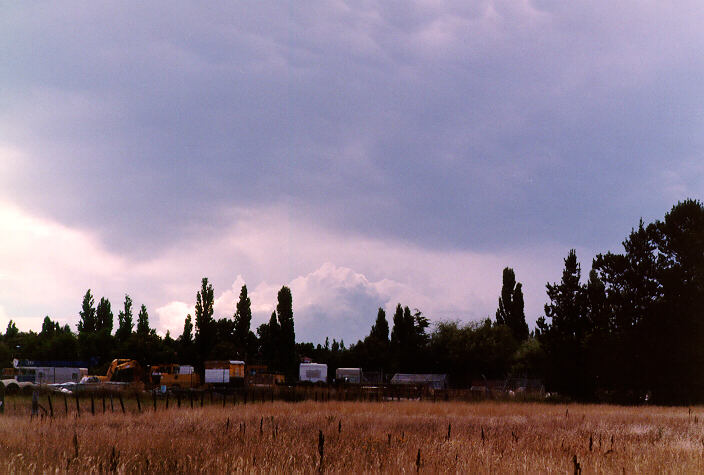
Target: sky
(362, 153)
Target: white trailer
(348, 375)
(58, 375)
(313, 373)
(217, 376)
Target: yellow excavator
(123, 371)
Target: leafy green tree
(103, 315)
(49, 328)
(11, 331)
(87, 322)
(124, 319)
(511, 307)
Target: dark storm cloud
(482, 126)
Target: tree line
(632, 330)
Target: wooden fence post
(122, 403)
(65, 405)
(51, 406)
(139, 404)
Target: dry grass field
(486, 437)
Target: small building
(224, 372)
(348, 375)
(313, 373)
(433, 381)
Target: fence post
(122, 403)
(102, 393)
(65, 405)
(51, 406)
(112, 406)
(139, 404)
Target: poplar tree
(87, 321)
(205, 324)
(511, 306)
(103, 316)
(124, 321)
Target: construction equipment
(123, 371)
(174, 376)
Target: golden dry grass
(374, 437)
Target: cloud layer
(382, 151)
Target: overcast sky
(363, 153)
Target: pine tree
(563, 336)
(143, 322)
(87, 322)
(380, 329)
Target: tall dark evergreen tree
(511, 307)
(87, 322)
(562, 337)
(104, 316)
(245, 341)
(124, 320)
(269, 336)
(205, 324)
(143, 322)
(287, 336)
(187, 335)
(380, 329)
